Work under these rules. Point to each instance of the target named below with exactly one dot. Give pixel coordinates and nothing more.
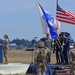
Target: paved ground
(13, 68)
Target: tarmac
(13, 68)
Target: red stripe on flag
(65, 16)
(66, 21)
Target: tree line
(23, 42)
(26, 42)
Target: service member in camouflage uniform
(41, 60)
(35, 57)
(72, 57)
(48, 43)
(5, 47)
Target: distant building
(12, 46)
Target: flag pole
(57, 2)
(57, 40)
(39, 14)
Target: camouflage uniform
(48, 43)
(35, 57)
(5, 47)
(41, 60)
(72, 58)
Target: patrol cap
(67, 34)
(62, 33)
(41, 45)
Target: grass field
(22, 56)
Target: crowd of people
(59, 46)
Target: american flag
(65, 16)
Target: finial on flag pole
(57, 2)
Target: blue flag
(50, 21)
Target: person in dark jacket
(58, 50)
(66, 47)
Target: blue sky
(20, 18)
